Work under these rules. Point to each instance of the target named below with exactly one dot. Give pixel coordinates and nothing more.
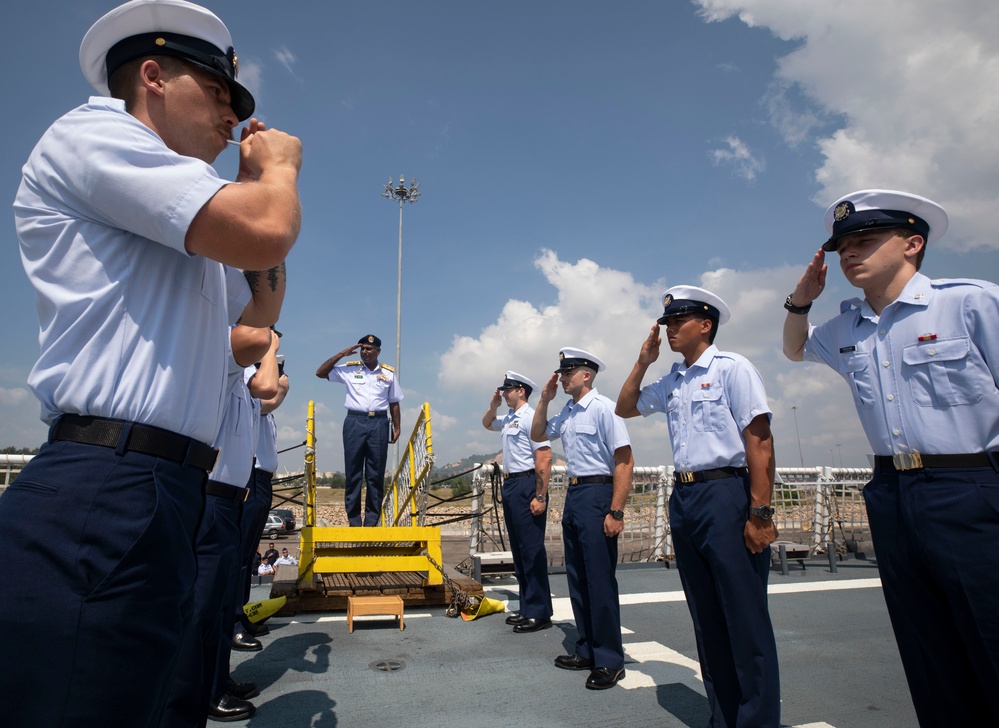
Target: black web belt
(587, 479)
(917, 461)
(144, 439)
(699, 476)
(359, 413)
(521, 474)
(224, 490)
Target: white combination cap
(873, 209)
(163, 27)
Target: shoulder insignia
(390, 368)
(352, 363)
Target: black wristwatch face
(764, 512)
(618, 515)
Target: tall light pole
(798, 436)
(401, 194)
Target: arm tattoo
(275, 276)
(253, 278)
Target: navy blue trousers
(590, 566)
(101, 548)
(251, 525)
(217, 548)
(527, 544)
(726, 589)
(936, 537)
(365, 449)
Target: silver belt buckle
(685, 477)
(907, 461)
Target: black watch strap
(800, 310)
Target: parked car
(287, 516)
(274, 527)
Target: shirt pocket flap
(856, 362)
(586, 428)
(939, 350)
(706, 395)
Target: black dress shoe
(603, 677)
(243, 691)
(573, 662)
(533, 625)
(515, 618)
(245, 643)
(258, 630)
(229, 708)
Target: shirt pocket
(856, 370)
(708, 410)
(202, 277)
(584, 434)
(940, 373)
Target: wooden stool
(388, 605)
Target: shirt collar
(584, 402)
(916, 293)
(703, 361)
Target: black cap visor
(193, 50)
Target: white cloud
(913, 88)
(738, 155)
(287, 59)
(252, 77)
(609, 312)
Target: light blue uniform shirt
(266, 456)
(131, 326)
(707, 407)
(590, 433)
(367, 390)
(518, 447)
(237, 438)
(923, 373)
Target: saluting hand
(650, 347)
(497, 399)
(550, 388)
(812, 282)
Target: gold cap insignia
(843, 210)
(667, 299)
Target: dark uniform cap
(370, 339)
(879, 209)
(570, 358)
(684, 300)
(163, 28)
(515, 381)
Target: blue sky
(575, 158)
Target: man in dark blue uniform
(526, 468)
(921, 357)
(599, 465)
(719, 513)
(373, 393)
(127, 234)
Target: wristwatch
(800, 310)
(617, 515)
(764, 512)
(540, 497)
